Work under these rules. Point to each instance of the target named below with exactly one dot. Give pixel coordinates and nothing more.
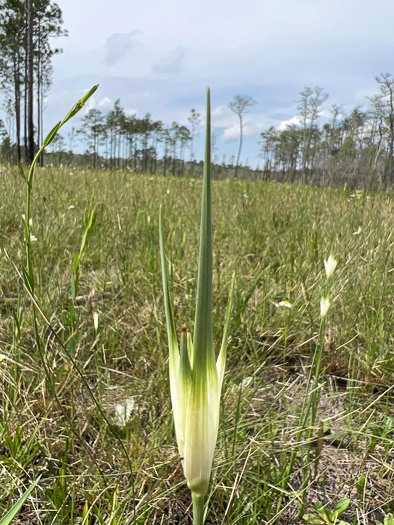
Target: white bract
(195, 376)
(324, 306)
(329, 266)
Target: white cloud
(118, 45)
(171, 64)
(223, 117)
(105, 102)
(253, 125)
(102, 103)
(129, 112)
(293, 121)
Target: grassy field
(98, 428)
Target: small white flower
(123, 411)
(324, 306)
(168, 191)
(2, 357)
(246, 196)
(329, 266)
(358, 231)
(30, 220)
(286, 304)
(33, 238)
(71, 207)
(95, 320)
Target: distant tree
(386, 85)
(12, 58)
(4, 140)
(58, 148)
(48, 21)
(115, 125)
(184, 137)
(377, 115)
(267, 143)
(240, 105)
(93, 129)
(25, 29)
(309, 107)
(195, 121)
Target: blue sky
(159, 56)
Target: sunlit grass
(275, 238)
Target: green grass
(275, 238)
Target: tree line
(354, 147)
(116, 140)
(26, 27)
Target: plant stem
(198, 509)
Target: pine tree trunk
(30, 84)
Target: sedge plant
(196, 376)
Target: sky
(159, 56)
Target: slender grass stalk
(308, 415)
(29, 284)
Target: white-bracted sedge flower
(324, 306)
(30, 220)
(196, 376)
(96, 320)
(329, 266)
(285, 304)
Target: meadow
(89, 408)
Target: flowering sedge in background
(195, 376)
(285, 304)
(324, 306)
(329, 266)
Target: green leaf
(28, 280)
(341, 506)
(221, 360)
(92, 219)
(18, 505)
(79, 105)
(204, 355)
(389, 519)
(73, 288)
(311, 519)
(360, 484)
(171, 333)
(22, 172)
(73, 111)
(323, 512)
(77, 259)
(85, 514)
(52, 134)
